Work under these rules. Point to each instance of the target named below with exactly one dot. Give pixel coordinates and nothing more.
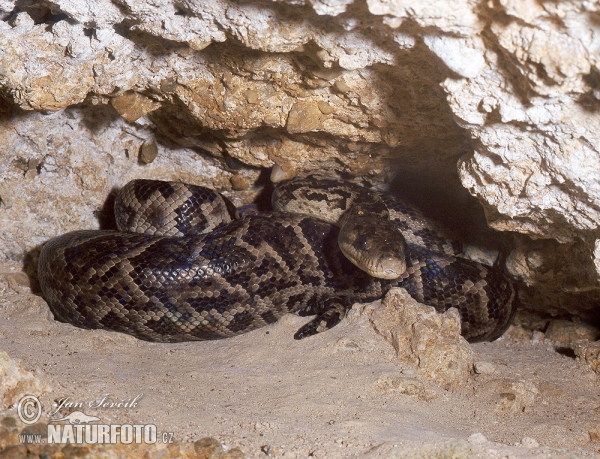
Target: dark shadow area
(263, 200)
(95, 117)
(156, 46)
(566, 351)
(106, 214)
(588, 101)
(442, 197)
(39, 12)
(30, 268)
(8, 110)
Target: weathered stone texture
(422, 337)
(60, 181)
(364, 88)
(17, 383)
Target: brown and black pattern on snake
(329, 199)
(171, 208)
(244, 274)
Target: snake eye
(361, 242)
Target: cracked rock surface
(501, 99)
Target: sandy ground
(342, 393)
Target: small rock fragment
(518, 334)
(563, 332)
(517, 396)
(132, 106)
(207, 447)
(537, 336)
(168, 85)
(19, 282)
(341, 85)
(281, 173)
(16, 383)
(594, 432)
(347, 345)
(239, 182)
(481, 255)
(484, 368)
(304, 117)
(529, 442)
(325, 108)
(477, 437)
(588, 352)
(405, 386)
(252, 96)
(148, 152)
(426, 339)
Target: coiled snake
(161, 278)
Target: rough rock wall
(397, 89)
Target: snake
(184, 265)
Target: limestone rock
(424, 338)
(563, 333)
(223, 93)
(132, 106)
(17, 383)
(516, 396)
(61, 181)
(588, 352)
(372, 90)
(453, 17)
(412, 387)
(209, 448)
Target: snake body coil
(169, 282)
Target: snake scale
(184, 266)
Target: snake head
(372, 244)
